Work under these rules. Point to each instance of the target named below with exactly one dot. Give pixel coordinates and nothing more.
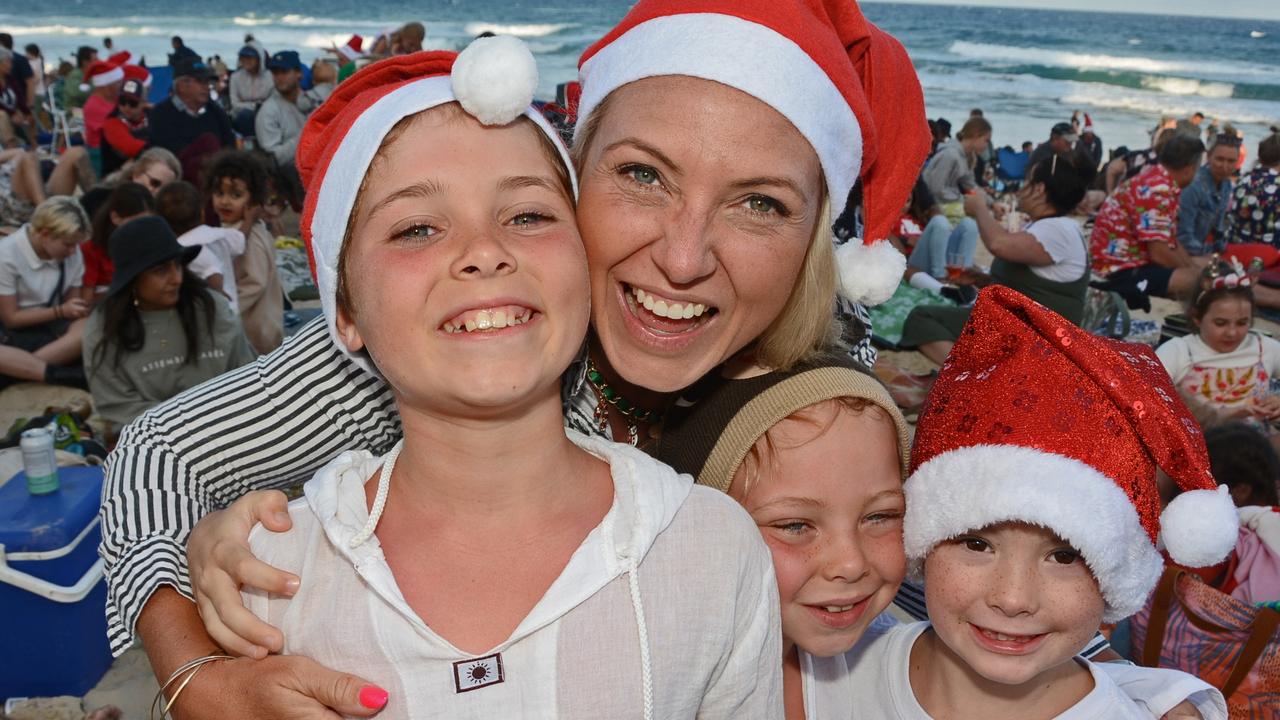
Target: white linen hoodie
(668, 609)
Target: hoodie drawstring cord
(646, 668)
(379, 500)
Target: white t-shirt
(218, 246)
(1181, 353)
(704, 588)
(1062, 238)
(31, 278)
(872, 682)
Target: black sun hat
(141, 244)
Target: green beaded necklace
(606, 396)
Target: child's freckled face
(230, 199)
(465, 271)
(1012, 601)
(830, 509)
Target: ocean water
(1027, 69)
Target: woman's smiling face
(698, 205)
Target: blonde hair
(820, 415)
(154, 155)
(807, 326)
(61, 216)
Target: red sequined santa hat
(100, 74)
(493, 79)
(1034, 420)
(352, 50)
(847, 86)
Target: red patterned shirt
(1143, 210)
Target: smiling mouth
(489, 319)
(841, 616)
(1006, 643)
(664, 315)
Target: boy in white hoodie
(491, 565)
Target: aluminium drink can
(39, 462)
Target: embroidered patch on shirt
(474, 674)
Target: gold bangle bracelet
(190, 667)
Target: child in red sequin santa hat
(1033, 516)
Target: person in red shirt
(105, 79)
(1134, 241)
(125, 131)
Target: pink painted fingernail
(373, 697)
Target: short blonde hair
(807, 326)
(152, 156)
(61, 216)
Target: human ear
(348, 333)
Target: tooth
(660, 309)
(483, 320)
(500, 318)
(471, 325)
(699, 309)
(675, 311)
(647, 302)
(448, 327)
(688, 311)
(639, 296)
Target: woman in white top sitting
(1047, 260)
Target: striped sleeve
(269, 424)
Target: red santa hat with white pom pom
(1034, 420)
(493, 80)
(847, 86)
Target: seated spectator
(159, 331)
(125, 131)
(15, 115)
(1245, 461)
(188, 123)
(41, 310)
(1132, 162)
(1062, 141)
(73, 94)
(182, 207)
(324, 78)
(347, 55)
(127, 201)
(1253, 215)
(21, 188)
(1134, 242)
(949, 173)
(1047, 260)
(249, 86)
(105, 80)
(237, 183)
(930, 242)
(1223, 370)
(280, 120)
(154, 168)
(1090, 145)
(1203, 203)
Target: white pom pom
(1199, 528)
(494, 79)
(869, 274)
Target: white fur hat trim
(869, 274)
(974, 487)
(495, 78)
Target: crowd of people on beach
(594, 429)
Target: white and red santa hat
(353, 49)
(1034, 420)
(1088, 125)
(847, 86)
(139, 73)
(100, 74)
(493, 79)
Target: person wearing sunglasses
(125, 131)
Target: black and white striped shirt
(267, 425)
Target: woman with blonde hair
(41, 310)
(949, 173)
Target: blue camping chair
(161, 81)
(1011, 166)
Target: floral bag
(1228, 643)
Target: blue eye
(793, 528)
(765, 205)
(418, 231)
(530, 218)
